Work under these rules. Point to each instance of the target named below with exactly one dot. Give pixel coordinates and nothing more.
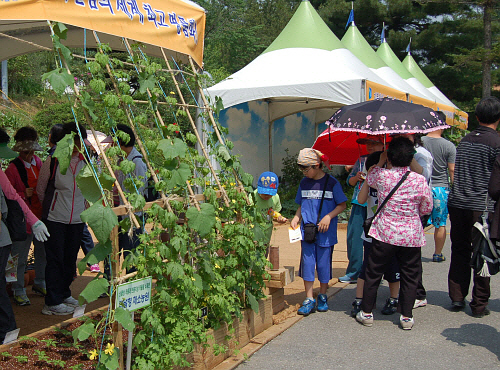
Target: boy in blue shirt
(317, 255)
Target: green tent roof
(387, 55)
(306, 29)
(357, 44)
(412, 66)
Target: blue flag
(408, 47)
(351, 18)
(382, 36)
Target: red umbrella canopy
(341, 146)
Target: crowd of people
(51, 203)
(397, 188)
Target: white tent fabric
(297, 79)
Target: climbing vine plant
(200, 254)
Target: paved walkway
(440, 339)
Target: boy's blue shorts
(439, 207)
(315, 258)
(391, 273)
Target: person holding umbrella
(397, 229)
(356, 178)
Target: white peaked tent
(305, 68)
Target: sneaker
(58, 309)
(95, 268)
(420, 303)
(391, 306)
(457, 305)
(39, 290)
(356, 307)
(322, 303)
(22, 300)
(438, 258)
(364, 318)
(483, 313)
(71, 302)
(406, 322)
(347, 279)
(308, 306)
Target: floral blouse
(398, 223)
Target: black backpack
(50, 189)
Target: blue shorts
(440, 206)
(391, 273)
(315, 258)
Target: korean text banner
(172, 24)
(378, 91)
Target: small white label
(295, 235)
(11, 336)
(79, 311)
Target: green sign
(135, 294)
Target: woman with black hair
(397, 229)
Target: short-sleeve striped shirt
(476, 154)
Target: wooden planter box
(245, 329)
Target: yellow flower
(93, 354)
(192, 278)
(172, 93)
(217, 266)
(235, 212)
(232, 200)
(251, 226)
(221, 209)
(217, 218)
(232, 184)
(109, 349)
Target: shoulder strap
(53, 165)
(21, 170)
(322, 197)
(391, 193)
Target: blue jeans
(354, 241)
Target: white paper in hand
(295, 235)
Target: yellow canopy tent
(175, 25)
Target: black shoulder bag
(310, 229)
(367, 224)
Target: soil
(54, 349)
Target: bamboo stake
(89, 122)
(138, 140)
(115, 264)
(193, 125)
(216, 129)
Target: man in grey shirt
(444, 153)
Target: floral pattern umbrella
(386, 116)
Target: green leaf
(111, 362)
(102, 59)
(146, 82)
(106, 181)
(202, 221)
(127, 166)
(198, 281)
(88, 185)
(224, 153)
(64, 150)
(59, 79)
(97, 85)
(88, 104)
(137, 201)
(246, 179)
(65, 52)
(83, 331)
(254, 305)
(175, 270)
(101, 220)
(96, 255)
(60, 30)
(93, 290)
(191, 138)
(124, 317)
(179, 176)
(172, 148)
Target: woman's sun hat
(26, 146)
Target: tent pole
(271, 145)
(5, 81)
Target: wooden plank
(274, 284)
(290, 274)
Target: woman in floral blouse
(397, 230)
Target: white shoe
(58, 309)
(71, 302)
(420, 303)
(406, 322)
(364, 318)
